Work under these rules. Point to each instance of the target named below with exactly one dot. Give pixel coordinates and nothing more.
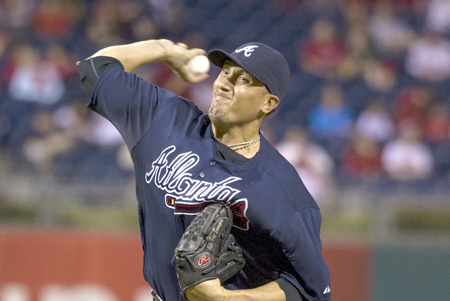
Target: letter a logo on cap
(247, 50)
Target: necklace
(243, 145)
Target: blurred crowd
(368, 105)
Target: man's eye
(243, 78)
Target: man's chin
(216, 116)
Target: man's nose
(224, 84)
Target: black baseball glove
(207, 250)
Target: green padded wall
(411, 273)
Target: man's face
(237, 96)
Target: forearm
(212, 290)
(137, 54)
(270, 292)
(176, 56)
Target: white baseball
(198, 64)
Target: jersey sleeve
(289, 290)
(300, 239)
(91, 69)
(125, 99)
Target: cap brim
(218, 57)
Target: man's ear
(271, 103)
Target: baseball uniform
(180, 167)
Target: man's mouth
(222, 96)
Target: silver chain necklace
(243, 145)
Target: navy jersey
(276, 221)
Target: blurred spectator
(103, 28)
(361, 159)
(105, 145)
(34, 79)
(331, 117)
(437, 17)
(312, 162)
(95, 142)
(412, 105)
(144, 28)
(16, 16)
(63, 60)
(407, 157)
(45, 143)
(128, 13)
(103, 133)
(360, 52)
(161, 11)
(357, 38)
(375, 123)
(391, 36)
(436, 127)
(331, 121)
(55, 19)
(74, 120)
(5, 40)
(428, 57)
(194, 38)
(380, 75)
(82, 125)
(356, 13)
(323, 51)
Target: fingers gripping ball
(198, 65)
(207, 250)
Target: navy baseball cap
(261, 61)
